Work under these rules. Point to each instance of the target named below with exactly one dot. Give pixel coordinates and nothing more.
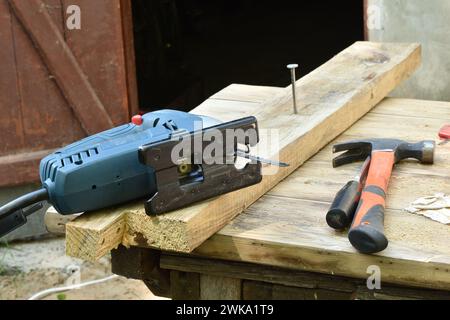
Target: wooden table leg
(195, 278)
(142, 264)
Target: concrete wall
(426, 22)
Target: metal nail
(293, 67)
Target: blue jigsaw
(119, 165)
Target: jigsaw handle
(367, 231)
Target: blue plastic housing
(104, 170)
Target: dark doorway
(187, 50)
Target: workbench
(281, 247)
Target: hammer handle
(367, 231)
(344, 205)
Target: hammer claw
(349, 157)
(354, 151)
(350, 145)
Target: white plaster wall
(426, 22)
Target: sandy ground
(27, 268)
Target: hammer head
(359, 150)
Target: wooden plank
(219, 288)
(35, 103)
(55, 223)
(247, 93)
(318, 182)
(100, 53)
(418, 253)
(322, 285)
(396, 293)
(331, 98)
(250, 271)
(414, 108)
(130, 56)
(43, 107)
(62, 64)
(293, 293)
(24, 165)
(184, 286)
(283, 239)
(253, 290)
(100, 234)
(88, 236)
(12, 137)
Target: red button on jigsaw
(137, 120)
(444, 133)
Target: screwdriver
(343, 208)
(444, 134)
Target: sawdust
(436, 207)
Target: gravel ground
(27, 268)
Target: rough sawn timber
(331, 99)
(286, 227)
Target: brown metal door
(59, 85)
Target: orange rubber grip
(367, 231)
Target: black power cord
(14, 214)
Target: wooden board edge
(409, 63)
(371, 96)
(434, 274)
(90, 243)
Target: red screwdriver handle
(444, 133)
(367, 231)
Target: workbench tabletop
(287, 226)
(331, 99)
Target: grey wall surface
(426, 22)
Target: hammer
(366, 233)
